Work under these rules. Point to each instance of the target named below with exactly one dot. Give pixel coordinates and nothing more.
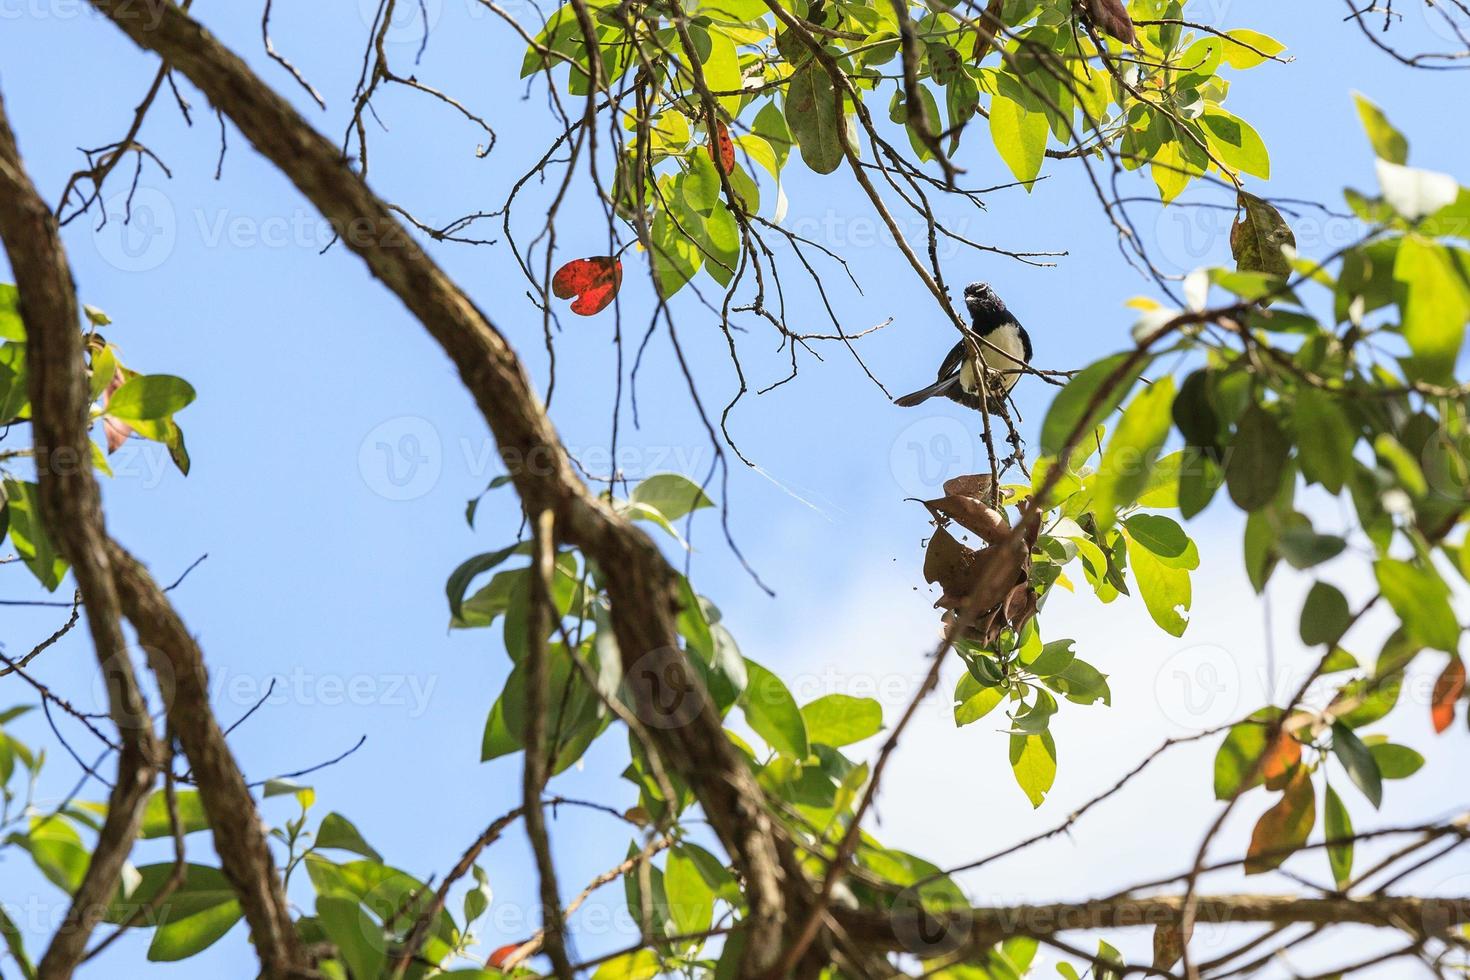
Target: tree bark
(113, 584)
(640, 584)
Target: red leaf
(594, 281)
(498, 958)
(1285, 827)
(725, 159)
(1447, 691)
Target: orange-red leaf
(498, 958)
(594, 281)
(1285, 827)
(1447, 691)
(725, 158)
(1281, 760)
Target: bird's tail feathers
(939, 387)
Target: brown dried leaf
(964, 503)
(1285, 827)
(975, 485)
(1169, 943)
(1111, 17)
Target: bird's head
(982, 302)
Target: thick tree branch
(980, 927)
(72, 510)
(640, 583)
(234, 821)
(113, 584)
(537, 766)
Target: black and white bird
(1005, 352)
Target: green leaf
(812, 114)
(641, 965)
(1388, 143)
(1303, 547)
(1260, 550)
(673, 253)
(199, 912)
(1132, 451)
(1073, 409)
(1235, 143)
(692, 623)
(156, 820)
(150, 397)
(1376, 697)
(1339, 827)
(671, 494)
(1177, 161)
(29, 536)
(1325, 615)
(1257, 237)
(973, 700)
(1395, 761)
(1436, 303)
(1366, 278)
(336, 831)
(359, 940)
(11, 326)
(1236, 758)
(1358, 762)
(722, 71)
(1034, 763)
(699, 186)
(15, 943)
(56, 849)
(1422, 601)
(772, 712)
(1325, 439)
(1020, 136)
(460, 578)
(771, 126)
(104, 370)
(1242, 55)
(1199, 479)
(840, 719)
(1052, 658)
(691, 900)
(1257, 459)
(1166, 588)
(1159, 534)
(1082, 683)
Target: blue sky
(327, 559)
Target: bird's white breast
(1007, 360)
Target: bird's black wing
(1025, 339)
(952, 362)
